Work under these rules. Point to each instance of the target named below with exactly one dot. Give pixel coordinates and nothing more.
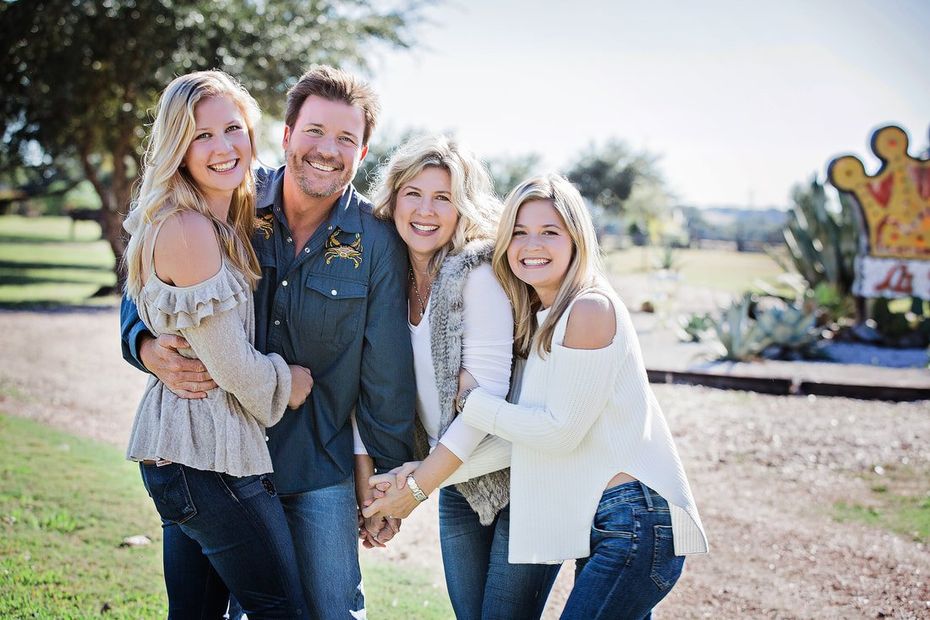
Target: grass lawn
(899, 502)
(66, 504)
(724, 270)
(41, 264)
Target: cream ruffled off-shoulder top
(224, 432)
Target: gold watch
(460, 401)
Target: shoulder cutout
(592, 323)
(187, 251)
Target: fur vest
(489, 493)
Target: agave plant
(694, 327)
(790, 330)
(738, 334)
(822, 244)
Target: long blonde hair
(584, 270)
(167, 188)
(472, 191)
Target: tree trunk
(114, 203)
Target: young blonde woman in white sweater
(595, 475)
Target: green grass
(723, 270)
(899, 502)
(41, 264)
(65, 506)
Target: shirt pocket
(341, 304)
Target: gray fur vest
(489, 493)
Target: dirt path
(766, 472)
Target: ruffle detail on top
(174, 308)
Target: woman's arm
(187, 256)
(487, 352)
(582, 376)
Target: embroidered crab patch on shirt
(348, 251)
(264, 225)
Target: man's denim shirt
(339, 308)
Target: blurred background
(700, 136)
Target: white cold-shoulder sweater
(583, 416)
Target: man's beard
(317, 190)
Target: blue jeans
(223, 532)
(481, 583)
(324, 526)
(632, 565)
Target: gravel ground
(766, 472)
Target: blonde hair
(472, 191)
(584, 270)
(167, 188)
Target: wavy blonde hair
(584, 271)
(472, 191)
(166, 187)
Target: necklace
(416, 292)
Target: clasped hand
(391, 497)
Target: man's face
(324, 148)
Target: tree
(79, 79)
(507, 172)
(606, 175)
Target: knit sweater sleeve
(207, 316)
(579, 385)
(261, 383)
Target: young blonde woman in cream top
(595, 475)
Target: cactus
(822, 244)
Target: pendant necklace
(416, 292)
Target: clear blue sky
(741, 99)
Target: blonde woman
(191, 270)
(595, 475)
(440, 199)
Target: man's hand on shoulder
(187, 378)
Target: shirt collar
(345, 214)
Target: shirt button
(277, 322)
(266, 437)
(329, 228)
(284, 283)
(334, 292)
(289, 239)
(307, 250)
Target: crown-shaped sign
(895, 201)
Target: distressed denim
(632, 565)
(481, 583)
(238, 525)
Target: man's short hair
(334, 85)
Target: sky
(741, 100)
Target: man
(331, 298)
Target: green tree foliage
(80, 79)
(507, 172)
(607, 174)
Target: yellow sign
(894, 205)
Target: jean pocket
(666, 566)
(617, 520)
(244, 487)
(167, 486)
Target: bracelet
(418, 493)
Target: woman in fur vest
(441, 200)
